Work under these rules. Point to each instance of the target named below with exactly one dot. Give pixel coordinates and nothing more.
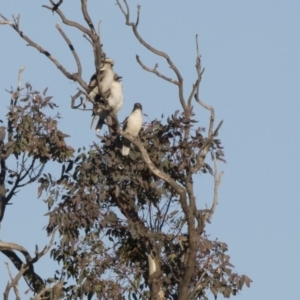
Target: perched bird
(106, 78)
(2, 134)
(132, 125)
(115, 101)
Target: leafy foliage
(111, 210)
(129, 227)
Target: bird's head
(137, 106)
(109, 61)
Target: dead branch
(73, 98)
(154, 70)
(87, 16)
(91, 33)
(13, 283)
(76, 57)
(25, 269)
(199, 72)
(87, 38)
(33, 280)
(217, 182)
(16, 26)
(13, 246)
(65, 20)
(152, 49)
(15, 286)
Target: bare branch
(196, 85)
(97, 48)
(15, 95)
(26, 270)
(76, 77)
(99, 27)
(217, 180)
(86, 37)
(204, 150)
(33, 280)
(212, 113)
(20, 77)
(152, 49)
(14, 282)
(65, 20)
(197, 98)
(86, 16)
(79, 68)
(73, 98)
(13, 246)
(15, 286)
(154, 70)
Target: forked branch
(91, 33)
(26, 268)
(126, 13)
(16, 26)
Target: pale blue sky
(251, 54)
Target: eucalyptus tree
(128, 227)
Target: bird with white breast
(132, 125)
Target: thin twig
(87, 38)
(76, 77)
(23, 269)
(154, 70)
(202, 152)
(65, 20)
(199, 71)
(15, 287)
(91, 33)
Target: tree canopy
(120, 227)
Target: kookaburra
(132, 125)
(106, 78)
(115, 102)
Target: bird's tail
(100, 124)
(102, 116)
(93, 121)
(126, 147)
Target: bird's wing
(125, 124)
(93, 81)
(107, 94)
